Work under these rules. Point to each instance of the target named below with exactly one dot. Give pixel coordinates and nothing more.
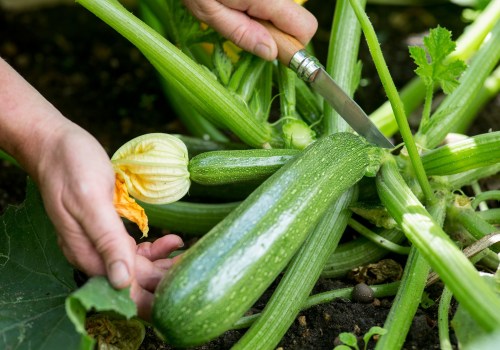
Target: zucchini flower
(154, 168)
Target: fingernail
(119, 275)
(263, 51)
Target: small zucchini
(219, 278)
(223, 167)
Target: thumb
(236, 26)
(113, 243)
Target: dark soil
(101, 82)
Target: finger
(160, 248)
(235, 26)
(143, 299)
(111, 240)
(287, 15)
(148, 273)
(164, 264)
(82, 254)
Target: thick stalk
(450, 112)
(437, 248)
(466, 178)
(396, 103)
(469, 219)
(406, 303)
(299, 279)
(490, 89)
(472, 153)
(413, 93)
(186, 76)
(342, 60)
(408, 298)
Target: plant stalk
(394, 98)
(437, 248)
(342, 60)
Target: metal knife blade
(291, 53)
(349, 110)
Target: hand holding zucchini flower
(154, 169)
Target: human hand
(234, 20)
(77, 181)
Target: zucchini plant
(274, 197)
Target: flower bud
(154, 168)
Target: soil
(97, 79)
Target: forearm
(27, 119)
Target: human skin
(74, 173)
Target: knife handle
(287, 44)
(292, 53)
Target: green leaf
(375, 330)
(438, 70)
(35, 279)
(349, 339)
(98, 295)
(469, 334)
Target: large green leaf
(35, 280)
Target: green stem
(443, 321)
(299, 278)
(396, 103)
(379, 291)
(286, 85)
(466, 178)
(464, 214)
(472, 153)
(342, 60)
(491, 216)
(426, 113)
(485, 196)
(406, 303)
(408, 298)
(437, 248)
(358, 252)
(476, 188)
(490, 89)
(186, 76)
(377, 239)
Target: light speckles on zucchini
(231, 266)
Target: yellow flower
(154, 167)
(128, 208)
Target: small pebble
(302, 321)
(362, 293)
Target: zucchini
(219, 278)
(224, 167)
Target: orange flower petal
(128, 208)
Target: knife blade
(291, 52)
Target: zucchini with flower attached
(218, 279)
(223, 167)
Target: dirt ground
(101, 82)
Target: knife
(292, 53)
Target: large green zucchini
(224, 273)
